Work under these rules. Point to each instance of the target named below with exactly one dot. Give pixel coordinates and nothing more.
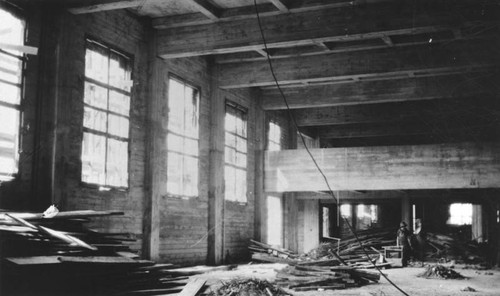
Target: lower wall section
(183, 231)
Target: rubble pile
(441, 272)
(250, 287)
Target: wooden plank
(396, 63)
(109, 260)
(367, 92)
(280, 5)
(445, 166)
(34, 260)
(113, 5)
(206, 9)
(63, 215)
(307, 28)
(193, 287)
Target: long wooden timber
(319, 26)
(392, 63)
(445, 166)
(367, 92)
(471, 110)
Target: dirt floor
(484, 282)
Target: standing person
(419, 235)
(403, 240)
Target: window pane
(175, 106)
(241, 160)
(190, 178)
(94, 119)
(93, 158)
(10, 68)
(230, 140)
(9, 127)
(119, 103)
(241, 185)
(230, 122)
(95, 96)
(117, 164)
(191, 113)
(174, 173)
(96, 63)
(10, 93)
(230, 155)
(118, 126)
(175, 143)
(241, 144)
(12, 29)
(119, 75)
(230, 182)
(191, 147)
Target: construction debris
(307, 278)
(441, 272)
(448, 248)
(251, 287)
(60, 256)
(324, 269)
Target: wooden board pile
(446, 247)
(266, 253)
(441, 272)
(60, 256)
(306, 277)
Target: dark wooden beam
(248, 12)
(306, 28)
(444, 166)
(368, 92)
(423, 112)
(394, 129)
(112, 5)
(456, 57)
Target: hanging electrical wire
(294, 121)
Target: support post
(216, 182)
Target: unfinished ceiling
(372, 72)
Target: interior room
(312, 147)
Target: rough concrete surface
(485, 282)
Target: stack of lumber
(306, 277)
(441, 246)
(60, 256)
(266, 253)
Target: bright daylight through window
(11, 80)
(182, 138)
(235, 173)
(106, 116)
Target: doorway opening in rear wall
(274, 220)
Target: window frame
(185, 83)
(17, 13)
(96, 42)
(238, 109)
